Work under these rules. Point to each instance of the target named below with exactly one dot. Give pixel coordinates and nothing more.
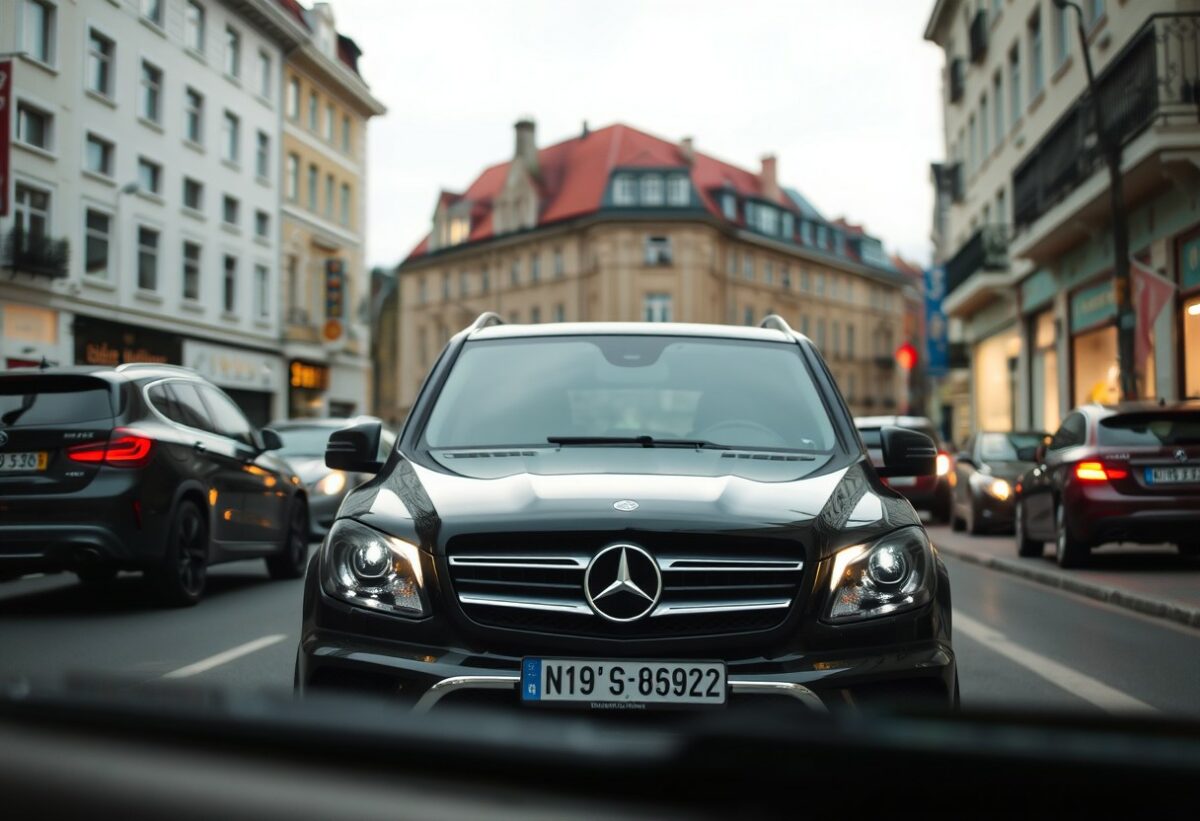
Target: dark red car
(1128, 473)
(929, 493)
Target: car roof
(132, 371)
(1142, 406)
(506, 331)
(861, 422)
(323, 422)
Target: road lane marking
(226, 656)
(1071, 680)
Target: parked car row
(154, 469)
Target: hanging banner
(937, 343)
(6, 85)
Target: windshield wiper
(639, 441)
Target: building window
(822, 236)
(229, 284)
(788, 225)
(1093, 13)
(559, 268)
(191, 271)
(729, 206)
(262, 156)
(623, 190)
(231, 128)
(748, 316)
(652, 190)
(535, 315)
(293, 177)
(39, 37)
(194, 116)
(785, 278)
(152, 10)
(514, 273)
(265, 76)
(1036, 78)
(1001, 208)
(972, 143)
(1062, 34)
(35, 127)
(997, 109)
(747, 266)
(193, 26)
(330, 120)
(984, 131)
(151, 83)
(293, 98)
(836, 334)
(233, 52)
(147, 263)
(329, 196)
(677, 190)
(560, 313)
(731, 263)
(658, 250)
(193, 194)
(464, 284)
(262, 292)
(230, 210)
(535, 268)
(262, 224)
(820, 283)
(769, 272)
(312, 187)
(346, 133)
(100, 63)
(821, 332)
(149, 175)
(344, 211)
(656, 307)
(313, 111)
(768, 220)
(850, 341)
(32, 213)
(422, 291)
(806, 232)
(96, 244)
(1014, 84)
(445, 287)
(98, 156)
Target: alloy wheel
(193, 553)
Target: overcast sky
(844, 92)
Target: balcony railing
(979, 36)
(35, 254)
(986, 250)
(958, 79)
(1154, 79)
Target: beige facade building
(1022, 222)
(617, 225)
(326, 109)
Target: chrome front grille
(711, 590)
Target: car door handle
(199, 447)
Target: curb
(1178, 613)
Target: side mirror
(355, 449)
(1039, 454)
(269, 439)
(1028, 454)
(964, 458)
(907, 453)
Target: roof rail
(485, 320)
(127, 366)
(777, 322)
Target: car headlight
(331, 484)
(886, 576)
(996, 488)
(370, 569)
(942, 463)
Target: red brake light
(1098, 472)
(124, 449)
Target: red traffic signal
(906, 356)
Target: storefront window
(1043, 366)
(1094, 356)
(1191, 347)
(994, 372)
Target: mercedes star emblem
(622, 583)
(626, 505)
(1180, 453)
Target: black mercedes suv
(629, 516)
(140, 467)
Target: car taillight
(124, 449)
(1098, 472)
(943, 463)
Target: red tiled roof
(573, 176)
(348, 51)
(294, 8)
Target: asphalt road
(1019, 644)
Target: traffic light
(906, 356)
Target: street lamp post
(1111, 149)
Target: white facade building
(146, 145)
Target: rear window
(28, 403)
(1150, 430)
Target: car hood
(822, 506)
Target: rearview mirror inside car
(355, 449)
(907, 453)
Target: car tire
(957, 524)
(1068, 551)
(96, 575)
(292, 558)
(1026, 548)
(183, 574)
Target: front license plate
(22, 462)
(617, 684)
(1172, 476)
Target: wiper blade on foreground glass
(640, 441)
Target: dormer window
(623, 190)
(788, 224)
(460, 229)
(652, 190)
(806, 232)
(729, 206)
(768, 220)
(822, 236)
(677, 190)
(839, 243)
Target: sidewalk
(1154, 580)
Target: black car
(622, 516)
(303, 448)
(926, 493)
(140, 467)
(985, 471)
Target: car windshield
(664, 387)
(1004, 447)
(304, 441)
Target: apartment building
(324, 280)
(618, 225)
(1022, 223)
(144, 171)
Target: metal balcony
(1154, 80)
(35, 254)
(986, 250)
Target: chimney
(584, 133)
(768, 178)
(687, 150)
(526, 149)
